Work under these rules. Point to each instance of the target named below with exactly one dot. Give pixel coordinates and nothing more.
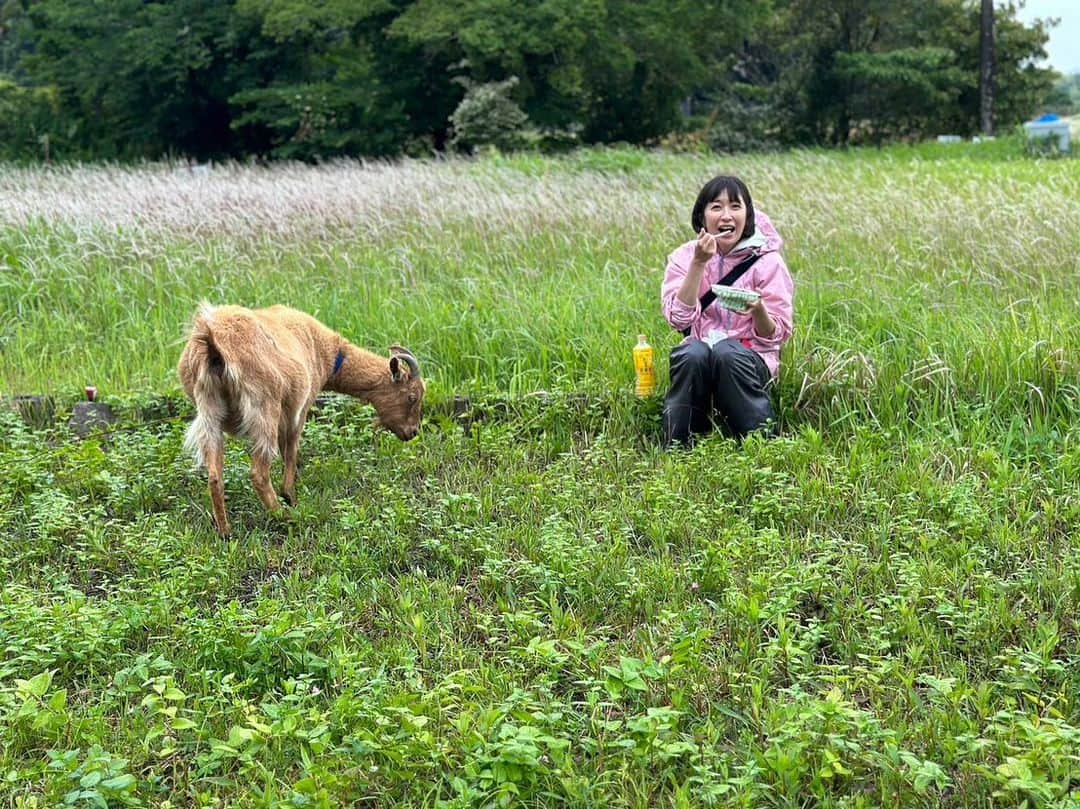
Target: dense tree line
(310, 79)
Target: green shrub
(744, 120)
(29, 121)
(487, 116)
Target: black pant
(727, 383)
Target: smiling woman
(724, 368)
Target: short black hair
(736, 189)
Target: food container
(734, 298)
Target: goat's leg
(260, 479)
(289, 453)
(214, 455)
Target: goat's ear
(396, 371)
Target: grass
(532, 604)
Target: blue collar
(339, 360)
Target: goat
(255, 374)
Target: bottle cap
(641, 338)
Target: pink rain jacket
(769, 275)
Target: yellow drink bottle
(644, 368)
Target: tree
(487, 116)
(329, 81)
(29, 121)
(1019, 86)
(311, 79)
(618, 68)
(136, 78)
(898, 93)
(986, 67)
(844, 71)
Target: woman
(724, 368)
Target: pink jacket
(769, 275)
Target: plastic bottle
(644, 368)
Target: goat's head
(398, 406)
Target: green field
(532, 604)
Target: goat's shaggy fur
(255, 374)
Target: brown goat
(255, 374)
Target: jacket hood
(764, 240)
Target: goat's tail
(231, 368)
(207, 377)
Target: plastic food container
(733, 298)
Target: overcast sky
(1063, 48)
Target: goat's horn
(404, 353)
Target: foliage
(323, 120)
(899, 93)
(29, 121)
(1064, 99)
(616, 68)
(842, 72)
(532, 604)
(487, 116)
(326, 82)
(299, 80)
(312, 81)
(743, 119)
(138, 79)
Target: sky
(1063, 48)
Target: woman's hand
(763, 324)
(705, 248)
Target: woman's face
(725, 219)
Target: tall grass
(928, 279)
(532, 604)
